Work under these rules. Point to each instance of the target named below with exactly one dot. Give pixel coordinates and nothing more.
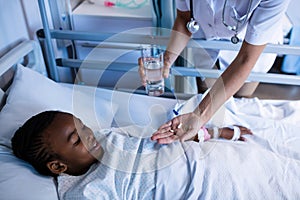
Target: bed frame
(41, 187)
(30, 51)
(137, 40)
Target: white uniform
(263, 25)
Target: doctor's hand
(183, 127)
(166, 70)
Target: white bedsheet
(267, 166)
(224, 170)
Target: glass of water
(153, 65)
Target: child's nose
(90, 139)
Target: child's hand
(228, 133)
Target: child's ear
(57, 167)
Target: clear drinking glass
(153, 64)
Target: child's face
(73, 142)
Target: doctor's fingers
(163, 133)
(176, 122)
(172, 124)
(142, 71)
(166, 70)
(165, 125)
(168, 140)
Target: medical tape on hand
(216, 132)
(236, 133)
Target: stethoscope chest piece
(192, 26)
(234, 39)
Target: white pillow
(19, 180)
(32, 93)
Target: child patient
(58, 144)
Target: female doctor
(254, 22)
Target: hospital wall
(13, 24)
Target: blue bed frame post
(53, 72)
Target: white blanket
(227, 170)
(267, 166)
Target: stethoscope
(193, 26)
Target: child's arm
(226, 133)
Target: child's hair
(29, 143)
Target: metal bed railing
(29, 50)
(25, 48)
(138, 39)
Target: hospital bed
(30, 92)
(27, 90)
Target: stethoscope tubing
(234, 39)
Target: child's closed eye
(77, 141)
